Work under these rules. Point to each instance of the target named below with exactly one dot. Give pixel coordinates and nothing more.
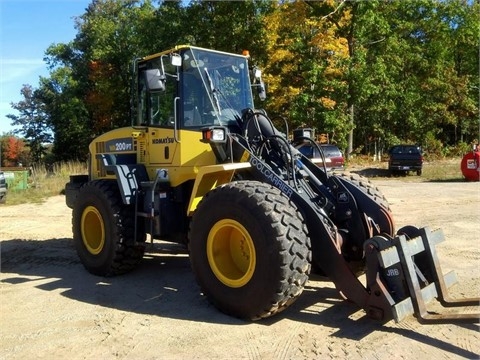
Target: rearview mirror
(262, 93)
(155, 80)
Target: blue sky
(27, 28)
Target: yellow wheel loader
(202, 167)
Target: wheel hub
(93, 230)
(231, 253)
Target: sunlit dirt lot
(52, 308)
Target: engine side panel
(156, 148)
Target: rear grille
(141, 151)
(100, 149)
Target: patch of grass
(43, 183)
(437, 170)
(443, 170)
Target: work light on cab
(214, 135)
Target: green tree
(366, 72)
(88, 91)
(231, 26)
(33, 122)
(403, 79)
(107, 42)
(433, 96)
(67, 115)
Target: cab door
(158, 109)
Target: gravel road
(52, 308)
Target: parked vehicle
(334, 159)
(405, 158)
(3, 188)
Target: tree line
(369, 74)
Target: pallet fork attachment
(393, 275)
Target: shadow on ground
(164, 285)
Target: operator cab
(192, 88)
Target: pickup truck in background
(405, 158)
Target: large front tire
(249, 249)
(103, 230)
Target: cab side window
(192, 100)
(156, 108)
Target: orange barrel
(470, 166)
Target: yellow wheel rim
(231, 253)
(93, 230)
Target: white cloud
(21, 61)
(12, 70)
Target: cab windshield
(216, 88)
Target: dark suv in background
(405, 158)
(3, 188)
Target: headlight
(214, 135)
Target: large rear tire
(249, 249)
(366, 186)
(382, 218)
(103, 230)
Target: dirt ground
(52, 308)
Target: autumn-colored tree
(406, 77)
(101, 98)
(306, 68)
(365, 72)
(13, 151)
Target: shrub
(45, 182)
